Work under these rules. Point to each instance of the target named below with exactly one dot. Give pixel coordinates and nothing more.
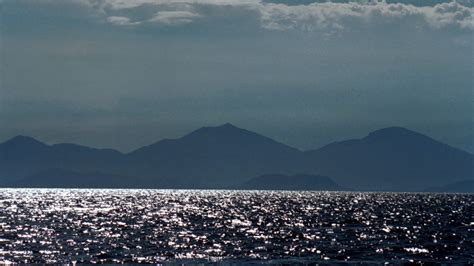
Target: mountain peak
(394, 133)
(223, 129)
(227, 125)
(23, 140)
(216, 140)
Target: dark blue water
(152, 226)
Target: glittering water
(132, 226)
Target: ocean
(233, 227)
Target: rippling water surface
(149, 226)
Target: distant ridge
(291, 182)
(463, 186)
(392, 158)
(61, 178)
(224, 153)
(226, 156)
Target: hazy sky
(121, 74)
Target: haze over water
(131, 226)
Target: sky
(123, 74)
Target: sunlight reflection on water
(133, 226)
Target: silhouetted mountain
(222, 156)
(23, 156)
(291, 182)
(226, 156)
(21, 148)
(392, 158)
(61, 178)
(464, 186)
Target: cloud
(327, 16)
(122, 21)
(451, 14)
(338, 16)
(174, 17)
(125, 4)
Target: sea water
(194, 226)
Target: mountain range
(226, 156)
(292, 182)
